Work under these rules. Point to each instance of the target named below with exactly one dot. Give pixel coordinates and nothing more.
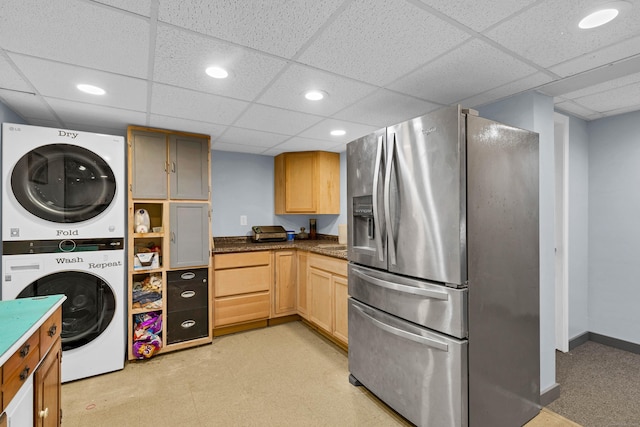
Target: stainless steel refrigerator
(444, 269)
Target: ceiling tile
(377, 42)
(239, 136)
(322, 131)
(29, 106)
(10, 77)
(598, 58)
(275, 120)
(279, 27)
(141, 7)
(77, 32)
(88, 117)
(576, 109)
(478, 15)
(613, 99)
(474, 67)
(606, 86)
(188, 104)
(182, 58)
(302, 144)
(56, 80)
(185, 125)
(508, 89)
(237, 148)
(549, 38)
(384, 108)
(288, 91)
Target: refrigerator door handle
(401, 288)
(404, 334)
(375, 232)
(391, 249)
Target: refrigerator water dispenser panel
(363, 220)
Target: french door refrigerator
(444, 269)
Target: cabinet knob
(188, 324)
(24, 351)
(52, 330)
(44, 413)
(25, 373)
(188, 294)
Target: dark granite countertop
(324, 245)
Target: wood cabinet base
(326, 335)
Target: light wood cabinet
(327, 286)
(284, 283)
(320, 301)
(307, 183)
(169, 179)
(242, 287)
(47, 389)
(301, 289)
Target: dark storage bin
(187, 325)
(187, 289)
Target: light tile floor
(285, 375)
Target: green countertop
(20, 318)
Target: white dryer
(91, 273)
(59, 183)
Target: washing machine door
(63, 183)
(88, 309)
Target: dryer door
(88, 310)
(63, 183)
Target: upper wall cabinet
(307, 182)
(169, 165)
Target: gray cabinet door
(149, 165)
(189, 167)
(189, 238)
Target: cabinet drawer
(14, 380)
(332, 265)
(187, 289)
(50, 331)
(17, 360)
(242, 280)
(243, 259)
(187, 325)
(241, 308)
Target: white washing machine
(91, 273)
(59, 183)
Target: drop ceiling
(378, 61)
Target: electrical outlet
(243, 220)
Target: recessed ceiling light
(217, 72)
(602, 15)
(93, 90)
(314, 95)
(338, 132)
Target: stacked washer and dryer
(63, 232)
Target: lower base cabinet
(242, 287)
(47, 390)
(328, 295)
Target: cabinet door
(189, 238)
(340, 308)
(302, 299)
(320, 302)
(148, 165)
(284, 283)
(189, 167)
(47, 389)
(300, 179)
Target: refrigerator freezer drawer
(431, 305)
(420, 374)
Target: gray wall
(614, 231)
(578, 244)
(533, 111)
(242, 184)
